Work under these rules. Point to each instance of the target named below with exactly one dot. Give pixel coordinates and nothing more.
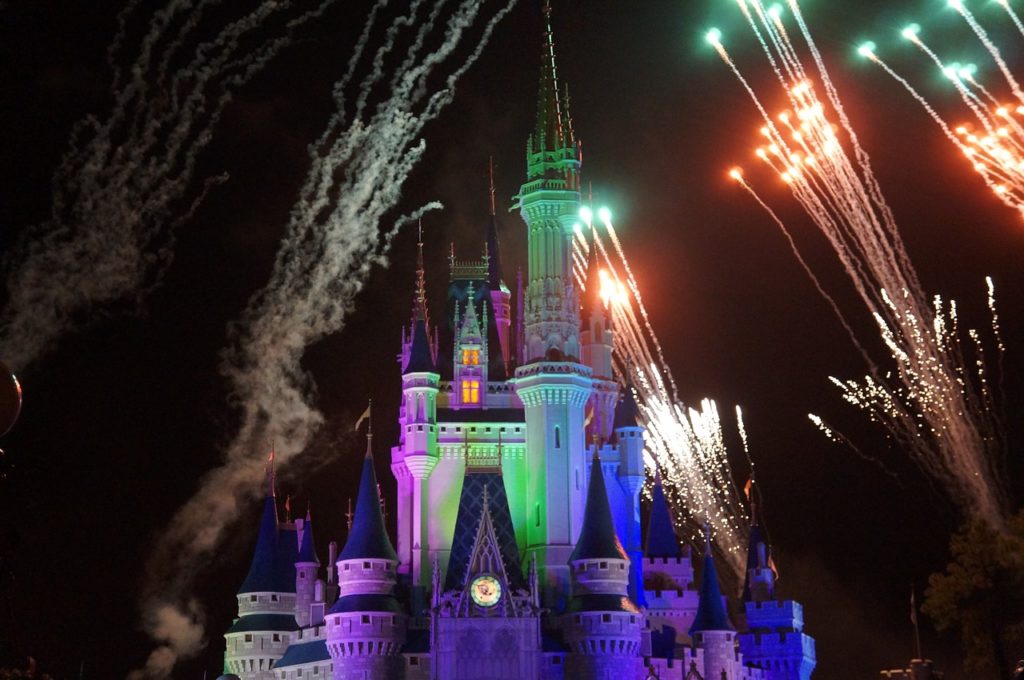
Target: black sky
(124, 417)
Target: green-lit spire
(551, 152)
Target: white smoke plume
(128, 180)
(333, 238)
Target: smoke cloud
(128, 180)
(358, 168)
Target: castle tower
(668, 582)
(776, 637)
(307, 568)
(629, 437)
(366, 626)
(266, 600)
(711, 630)
(417, 452)
(602, 625)
(552, 385)
(597, 341)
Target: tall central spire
(553, 138)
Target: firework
(686, 445)
(934, 402)
(992, 140)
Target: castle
(519, 552)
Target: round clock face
(485, 590)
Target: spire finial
(490, 172)
(349, 514)
(421, 279)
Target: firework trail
(934, 402)
(994, 142)
(333, 238)
(686, 445)
(128, 180)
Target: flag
(913, 607)
(771, 565)
(288, 506)
(747, 487)
(590, 417)
(365, 416)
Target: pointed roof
(598, 539)
(661, 535)
(262, 576)
(711, 614)
(421, 356)
(307, 550)
(470, 326)
(479, 488)
(421, 359)
(496, 368)
(626, 410)
(368, 538)
(553, 130)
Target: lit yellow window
(470, 357)
(470, 391)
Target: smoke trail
(128, 180)
(333, 238)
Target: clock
(485, 590)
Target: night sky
(124, 417)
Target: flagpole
(913, 619)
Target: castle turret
(597, 343)
(629, 438)
(366, 626)
(307, 569)
(711, 630)
(416, 455)
(552, 384)
(549, 202)
(603, 625)
(668, 580)
(776, 639)
(266, 599)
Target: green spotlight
(604, 214)
(867, 49)
(714, 36)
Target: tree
(980, 594)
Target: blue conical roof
(368, 537)
(625, 410)
(661, 534)
(421, 359)
(711, 614)
(598, 539)
(263, 570)
(307, 551)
